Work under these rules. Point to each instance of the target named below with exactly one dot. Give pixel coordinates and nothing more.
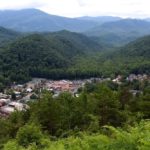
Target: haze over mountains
(100, 19)
(105, 29)
(121, 31)
(31, 20)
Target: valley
(74, 83)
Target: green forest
(68, 55)
(105, 116)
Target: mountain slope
(79, 40)
(44, 55)
(7, 35)
(138, 48)
(132, 58)
(70, 55)
(120, 32)
(30, 20)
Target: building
(18, 106)
(7, 110)
(4, 102)
(29, 90)
(4, 96)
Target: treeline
(50, 120)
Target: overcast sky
(75, 8)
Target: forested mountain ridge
(85, 43)
(67, 54)
(139, 47)
(120, 32)
(133, 57)
(44, 55)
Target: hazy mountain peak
(30, 20)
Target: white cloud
(83, 3)
(19, 4)
(73, 8)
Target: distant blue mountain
(108, 30)
(121, 31)
(100, 19)
(30, 20)
(34, 20)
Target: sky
(76, 8)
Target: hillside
(7, 35)
(138, 48)
(77, 39)
(133, 57)
(44, 55)
(30, 20)
(70, 55)
(120, 32)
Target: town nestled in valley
(21, 94)
(74, 75)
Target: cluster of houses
(139, 77)
(131, 78)
(7, 106)
(21, 94)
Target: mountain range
(120, 32)
(31, 20)
(109, 30)
(134, 57)
(66, 54)
(37, 52)
(47, 55)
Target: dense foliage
(7, 36)
(135, 138)
(67, 122)
(47, 55)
